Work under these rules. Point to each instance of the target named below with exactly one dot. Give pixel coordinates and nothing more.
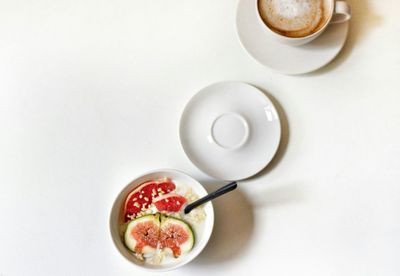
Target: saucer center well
(229, 131)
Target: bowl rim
(210, 216)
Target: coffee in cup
(297, 22)
(294, 18)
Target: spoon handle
(223, 190)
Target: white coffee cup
(339, 12)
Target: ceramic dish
(202, 230)
(230, 130)
(285, 58)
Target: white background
(91, 94)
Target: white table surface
(91, 94)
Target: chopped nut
(136, 204)
(146, 198)
(140, 196)
(139, 256)
(178, 203)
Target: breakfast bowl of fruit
(149, 226)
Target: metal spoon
(223, 190)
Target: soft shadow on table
(289, 193)
(363, 19)
(233, 227)
(234, 221)
(284, 137)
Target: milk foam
(294, 18)
(291, 8)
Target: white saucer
(230, 130)
(284, 58)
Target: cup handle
(341, 13)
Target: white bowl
(116, 219)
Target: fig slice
(175, 235)
(142, 234)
